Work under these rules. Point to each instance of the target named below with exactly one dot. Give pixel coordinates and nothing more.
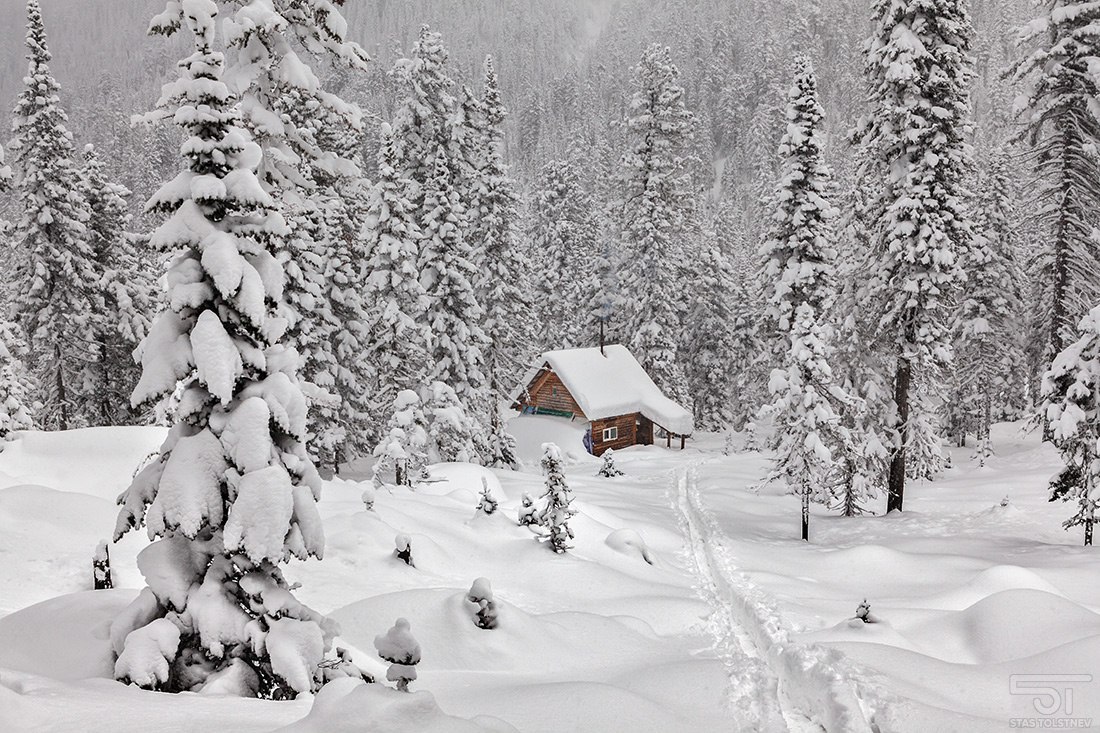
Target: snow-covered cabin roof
(610, 383)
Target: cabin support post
(683, 442)
(668, 439)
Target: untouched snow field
(736, 624)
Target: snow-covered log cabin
(607, 388)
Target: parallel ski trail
(756, 690)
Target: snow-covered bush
(398, 647)
(483, 604)
(342, 666)
(368, 496)
(528, 512)
(556, 509)
(487, 504)
(609, 469)
(403, 549)
(101, 568)
(863, 613)
(403, 449)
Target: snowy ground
(735, 626)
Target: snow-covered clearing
(736, 625)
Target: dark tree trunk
(62, 408)
(1088, 533)
(806, 515)
(896, 485)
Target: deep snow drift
(687, 604)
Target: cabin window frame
(610, 433)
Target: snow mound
(531, 431)
(629, 542)
(523, 642)
(992, 580)
(96, 461)
(349, 706)
(52, 535)
(66, 638)
(1008, 625)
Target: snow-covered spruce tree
(1072, 410)
(609, 469)
(711, 342)
(125, 294)
(452, 433)
(1059, 97)
(354, 381)
(557, 501)
(986, 358)
(399, 347)
(487, 503)
(454, 314)
(798, 280)
(55, 293)
(425, 114)
(503, 270)
(304, 170)
(403, 449)
(656, 206)
(917, 71)
(233, 492)
(17, 388)
(563, 232)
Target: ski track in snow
(757, 664)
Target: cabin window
(553, 391)
(610, 434)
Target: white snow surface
(737, 624)
(608, 383)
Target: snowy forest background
(565, 77)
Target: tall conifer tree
(233, 492)
(917, 71)
(56, 275)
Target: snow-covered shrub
(728, 448)
(342, 666)
(403, 549)
(403, 449)
(368, 496)
(609, 469)
(487, 504)
(528, 512)
(484, 605)
(101, 568)
(398, 647)
(557, 509)
(863, 613)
